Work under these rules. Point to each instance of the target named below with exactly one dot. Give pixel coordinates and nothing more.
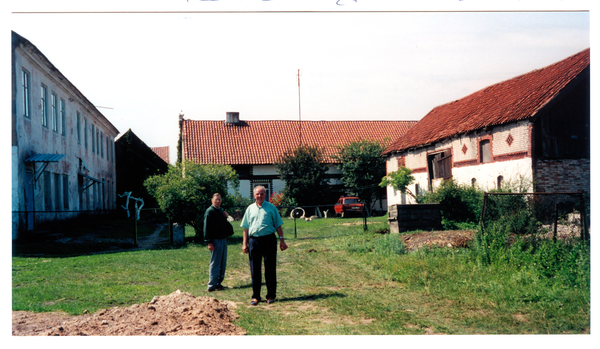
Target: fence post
(365, 228)
(482, 218)
(584, 232)
(135, 230)
(170, 231)
(555, 222)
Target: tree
(362, 167)
(184, 192)
(399, 180)
(304, 172)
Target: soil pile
(177, 314)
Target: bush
(459, 203)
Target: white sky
(150, 64)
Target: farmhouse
(533, 128)
(253, 147)
(63, 160)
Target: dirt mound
(452, 239)
(177, 314)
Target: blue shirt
(261, 221)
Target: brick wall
(563, 175)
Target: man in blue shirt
(261, 221)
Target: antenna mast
(299, 110)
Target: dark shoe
(220, 287)
(216, 288)
(254, 302)
(270, 301)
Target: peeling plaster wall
(31, 137)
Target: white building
(253, 147)
(533, 128)
(62, 147)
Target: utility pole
(299, 110)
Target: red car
(348, 205)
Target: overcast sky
(147, 67)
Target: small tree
(362, 167)
(400, 180)
(304, 172)
(184, 192)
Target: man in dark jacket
(216, 230)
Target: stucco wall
(511, 159)
(31, 137)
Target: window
(500, 179)
(54, 111)
(63, 118)
(93, 139)
(440, 165)
(47, 192)
(57, 192)
(97, 141)
(26, 94)
(44, 102)
(485, 153)
(65, 189)
(85, 133)
(107, 149)
(473, 182)
(78, 128)
(101, 144)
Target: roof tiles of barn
(262, 142)
(512, 100)
(162, 152)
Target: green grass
(335, 279)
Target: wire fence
(556, 215)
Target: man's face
(216, 201)
(259, 195)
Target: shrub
(459, 203)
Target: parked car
(347, 205)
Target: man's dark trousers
(263, 247)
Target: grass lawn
(335, 279)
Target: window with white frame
(78, 128)
(54, 111)
(63, 117)
(26, 94)
(44, 105)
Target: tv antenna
(299, 109)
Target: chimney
(232, 118)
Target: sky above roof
(143, 62)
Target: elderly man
(216, 231)
(261, 221)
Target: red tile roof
(512, 100)
(262, 142)
(162, 152)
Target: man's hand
(282, 245)
(211, 247)
(245, 248)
